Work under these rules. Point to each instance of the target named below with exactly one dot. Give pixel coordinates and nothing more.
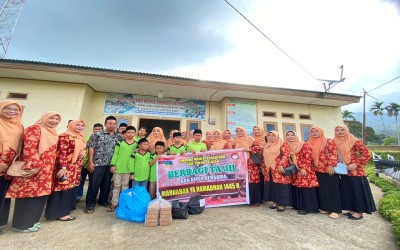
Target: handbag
(256, 158)
(290, 170)
(16, 166)
(340, 168)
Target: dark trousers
(27, 211)
(84, 174)
(4, 202)
(99, 179)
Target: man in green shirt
(120, 165)
(196, 145)
(140, 163)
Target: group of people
(56, 166)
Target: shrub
(389, 204)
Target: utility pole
(9, 14)
(364, 134)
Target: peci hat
(176, 134)
(159, 143)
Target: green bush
(389, 204)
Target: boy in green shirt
(139, 162)
(120, 165)
(176, 148)
(141, 133)
(196, 145)
(160, 150)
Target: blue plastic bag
(133, 204)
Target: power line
(304, 69)
(394, 79)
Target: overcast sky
(208, 40)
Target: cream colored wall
(322, 116)
(43, 96)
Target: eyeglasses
(11, 110)
(239, 130)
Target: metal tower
(9, 13)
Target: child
(120, 165)
(177, 147)
(139, 162)
(160, 149)
(98, 127)
(196, 145)
(141, 133)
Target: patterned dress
(304, 161)
(41, 183)
(7, 158)
(328, 157)
(359, 154)
(66, 147)
(283, 161)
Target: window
(287, 115)
(21, 96)
(123, 119)
(305, 117)
(269, 114)
(288, 126)
(270, 126)
(305, 131)
(192, 125)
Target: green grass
(389, 204)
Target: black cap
(159, 143)
(123, 125)
(197, 131)
(176, 134)
(142, 140)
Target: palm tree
(378, 109)
(393, 109)
(347, 115)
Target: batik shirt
(103, 144)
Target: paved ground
(236, 227)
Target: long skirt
(356, 194)
(305, 199)
(4, 202)
(269, 189)
(328, 193)
(27, 211)
(283, 194)
(61, 203)
(254, 193)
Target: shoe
(89, 210)
(272, 206)
(351, 217)
(111, 208)
(348, 214)
(280, 209)
(105, 204)
(334, 215)
(70, 218)
(323, 212)
(37, 225)
(302, 212)
(256, 205)
(29, 230)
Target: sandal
(323, 212)
(70, 218)
(281, 209)
(272, 206)
(37, 225)
(112, 208)
(334, 215)
(302, 212)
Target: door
(166, 125)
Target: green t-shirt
(196, 146)
(121, 156)
(137, 138)
(86, 159)
(176, 150)
(153, 169)
(140, 165)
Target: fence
(389, 167)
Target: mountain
(375, 122)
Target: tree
(347, 115)
(388, 141)
(378, 109)
(356, 129)
(393, 109)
